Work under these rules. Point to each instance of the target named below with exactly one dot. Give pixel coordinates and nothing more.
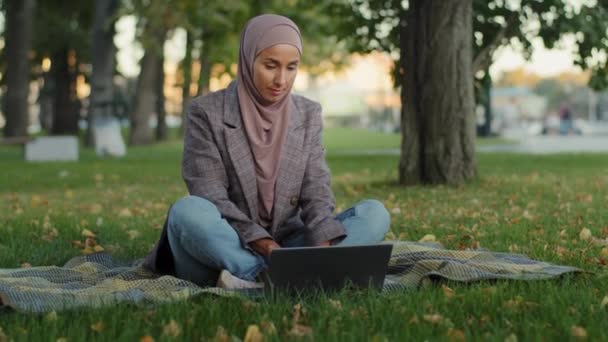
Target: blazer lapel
(289, 164)
(239, 149)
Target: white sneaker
(229, 282)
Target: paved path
(529, 145)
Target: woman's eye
(269, 66)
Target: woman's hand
(264, 246)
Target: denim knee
(375, 212)
(192, 212)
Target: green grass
(347, 139)
(536, 205)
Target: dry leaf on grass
(585, 234)
(146, 338)
(578, 332)
(172, 329)
(253, 334)
(433, 318)
(511, 338)
(428, 238)
(448, 292)
(98, 327)
(221, 335)
(87, 233)
(51, 316)
(456, 335)
(604, 302)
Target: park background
(66, 64)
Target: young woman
(254, 165)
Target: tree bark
(102, 60)
(146, 92)
(162, 133)
(204, 76)
(438, 118)
(19, 23)
(65, 105)
(187, 72)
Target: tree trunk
(204, 76)
(146, 92)
(162, 132)
(102, 60)
(66, 106)
(19, 22)
(187, 72)
(438, 118)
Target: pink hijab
(265, 125)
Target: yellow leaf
(299, 330)
(578, 332)
(433, 318)
(268, 327)
(511, 338)
(26, 265)
(88, 233)
(172, 329)
(448, 292)
(604, 252)
(585, 234)
(98, 327)
(146, 338)
(133, 234)
(336, 304)
(604, 302)
(456, 335)
(125, 212)
(51, 316)
(62, 339)
(253, 334)
(98, 248)
(428, 238)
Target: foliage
(496, 23)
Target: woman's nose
(279, 78)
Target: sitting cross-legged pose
(255, 168)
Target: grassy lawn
(536, 205)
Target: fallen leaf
(585, 234)
(98, 248)
(26, 265)
(433, 318)
(62, 339)
(133, 234)
(172, 329)
(125, 212)
(253, 334)
(98, 327)
(604, 302)
(51, 316)
(268, 327)
(511, 338)
(578, 332)
(448, 292)
(146, 338)
(336, 304)
(428, 238)
(456, 335)
(300, 330)
(88, 233)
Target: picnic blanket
(98, 280)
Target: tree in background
(436, 74)
(19, 23)
(101, 100)
(62, 34)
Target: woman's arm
(205, 175)
(316, 196)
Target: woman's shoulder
(211, 101)
(306, 105)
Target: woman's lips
(275, 92)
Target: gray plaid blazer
(218, 165)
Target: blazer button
(294, 200)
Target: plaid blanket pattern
(98, 280)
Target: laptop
(327, 269)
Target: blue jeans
(203, 243)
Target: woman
(255, 169)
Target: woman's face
(274, 71)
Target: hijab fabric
(265, 124)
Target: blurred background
(67, 67)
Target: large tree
(441, 45)
(19, 22)
(101, 100)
